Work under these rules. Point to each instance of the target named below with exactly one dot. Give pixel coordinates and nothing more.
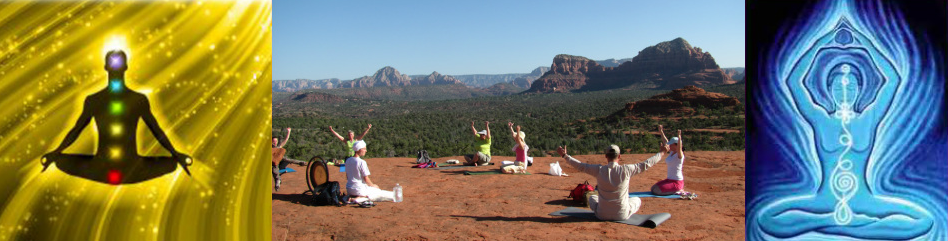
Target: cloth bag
(555, 169)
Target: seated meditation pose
(843, 86)
(116, 110)
(613, 202)
(520, 150)
(351, 140)
(675, 181)
(481, 156)
(359, 186)
(285, 161)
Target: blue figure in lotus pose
(843, 87)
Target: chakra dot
(116, 107)
(115, 153)
(115, 86)
(116, 129)
(114, 177)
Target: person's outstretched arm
(487, 125)
(590, 169)
(662, 130)
(681, 146)
(336, 134)
(366, 132)
(519, 139)
(286, 138)
(473, 130)
(73, 134)
(642, 166)
(149, 118)
(512, 133)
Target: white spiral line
(843, 182)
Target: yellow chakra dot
(115, 153)
(116, 129)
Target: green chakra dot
(116, 107)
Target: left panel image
(140, 120)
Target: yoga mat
(449, 167)
(285, 170)
(641, 220)
(649, 194)
(491, 173)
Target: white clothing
(674, 166)
(356, 171)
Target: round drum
(317, 173)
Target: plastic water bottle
(398, 193)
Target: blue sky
(351, 39)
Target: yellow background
(205, 67)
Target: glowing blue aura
(115, 86)
(847, 99)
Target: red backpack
(579, 193)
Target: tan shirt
(613, 181)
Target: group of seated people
(611, 203)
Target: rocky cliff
(386, 76)
(304, 84)
(667, 65)
(316, 97)
(435, 78)
(680, 101)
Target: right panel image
(847, 121)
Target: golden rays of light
(205, 67)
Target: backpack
(329, 195)
(423, 157)
(579, 193)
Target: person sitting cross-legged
(613, 202)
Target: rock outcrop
(304, 84)
(436, 78)
(680, 101)
(386, 76)
(667, 65)
(314, 97)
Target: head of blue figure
(844, 86)
(843, 36)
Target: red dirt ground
(446, 205)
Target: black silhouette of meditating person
(116, 110)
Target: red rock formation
(667, 65)
(674, 102)
(313, 97)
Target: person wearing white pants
(359, 186)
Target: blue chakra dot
(115, 86)
(844, 37)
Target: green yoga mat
(491, 173)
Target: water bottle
(398, 193)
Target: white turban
(359, 145)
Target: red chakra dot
(115, 177)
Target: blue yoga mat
(285, 170)
(342, 168)
(649, 194)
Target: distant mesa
(504, 89)
(680, 101)
(314, 97)
(735, 73)
(666, 65)
(386, 76)
(304, 84)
